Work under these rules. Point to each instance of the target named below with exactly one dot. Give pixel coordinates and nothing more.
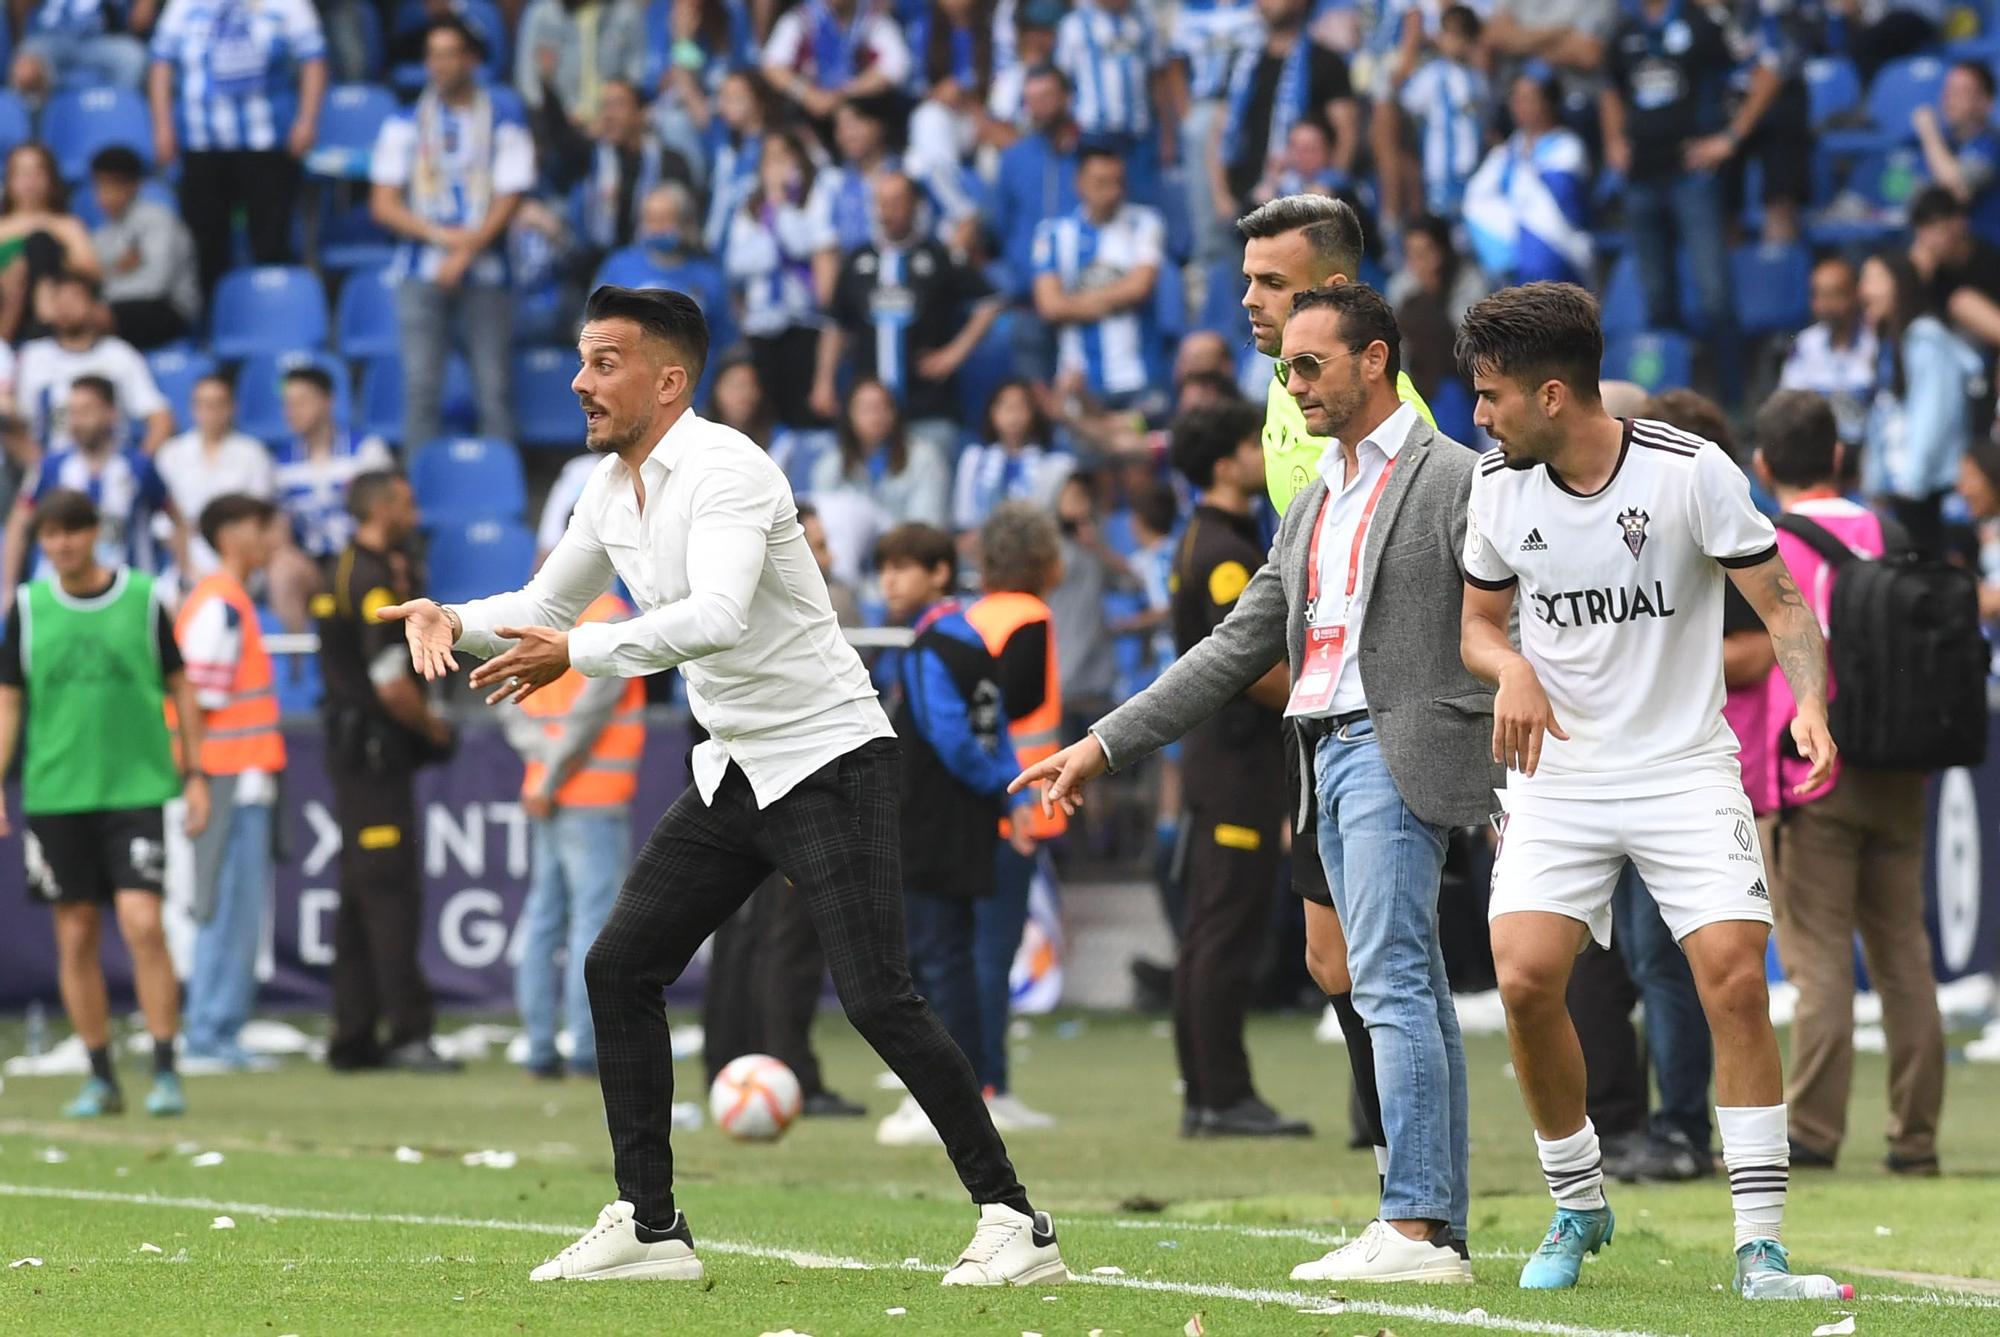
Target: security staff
(1233, 770)
(379, 730)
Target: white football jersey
(1621, 607)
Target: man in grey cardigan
(1397, 737)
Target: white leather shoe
(907, 1126)
(1009, 1249)
(611, 1250)
(1383, 1253)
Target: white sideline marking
(1296, 1299)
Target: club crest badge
(1633, 522)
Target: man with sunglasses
(1362, 594)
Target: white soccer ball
(755, 1098)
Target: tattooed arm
(1801, 653)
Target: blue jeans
(1677, 1039)
(998, 921)
(223, 983)
(1384, 866)
(579, 858)
(75, 61)
(941, 953)
(1686, 206)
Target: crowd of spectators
(953, 252)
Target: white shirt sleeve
(210, 645)
(892, 53)
(138, 394)
(31, 382)
(7, 366)
(574, 574)
(1727, 524)
(303, 33)
(1481, 561)
(1150, 238)
(395, 153)
(513, 159)
(734, 504)
(260, 474)
(782, 47)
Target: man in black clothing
(1267, 96)
(1233, 768)
(906, 313)
(379, 730)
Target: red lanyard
(1354, 554)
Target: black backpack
(1909, 660)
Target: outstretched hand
(540, 656)
(428, 631)
(1063, 775)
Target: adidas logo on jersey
(1758, 892)
(1533, 543)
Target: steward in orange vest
(571, 761)
(243, 754)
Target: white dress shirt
(1338, 521)
(727, 591)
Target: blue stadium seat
(1656, 359)
(1452, 406)
(268, 309)
(381, 406)
(364, 320)
(1773, 287)
(1623, 304)
(350, 238)
(1900, 87)
(545, 411)
(461, 479)
(1221, 298)
(348, 124)
(260, 389)
(1832, 87)
(175, 370)
(15, 127)
(471, 561)
(1888, 177)
(80, 121)
(295, 676)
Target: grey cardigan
(1434, 719)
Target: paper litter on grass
(206, 1159)
(24, 1262)
(897, 1312)
(1193, 1327)
(150, 1248)
(1107, 1271)
(53, 1155)
(223, 1223)
(409, 1156)
(492, 1159)
(1840, 1329)
(1884, 1231)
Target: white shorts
(1696, 851)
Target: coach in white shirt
(800, 775)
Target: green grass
(311, 1180)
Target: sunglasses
(1308, 366)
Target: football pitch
(336, 1231)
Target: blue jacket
(1037, 182)
(970, 738)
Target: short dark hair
(1465, 19)
(668, 315)
(1981, 74)
(1203, 437)
(1364, 316)
(100, 386)
(1797, 436)
(1934, 204)
(1691, 411)
(77, 278)
(1332, 228)
(217, 377)
(1090, 151)
(1220, 382)
(1155, 506)
(1534, 333)
(368, 489)
(467, 34)
(118, 162)
(1049, 72)
(65, 511)
(307, 374)
(925, 545)
(231, 508)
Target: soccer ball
(755, 1098)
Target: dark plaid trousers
(835, 836)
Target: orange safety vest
(609, 776)
(242, 735)
(1039, 733)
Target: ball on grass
(755, 1098)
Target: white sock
(1574, 1167)
(1381, 1160)
(1758, 1153)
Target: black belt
(1315, 727)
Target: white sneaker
(612, 1250)
(1383, 1253)
(909, 1126)
(1009, 1249)
(1011, 1116)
